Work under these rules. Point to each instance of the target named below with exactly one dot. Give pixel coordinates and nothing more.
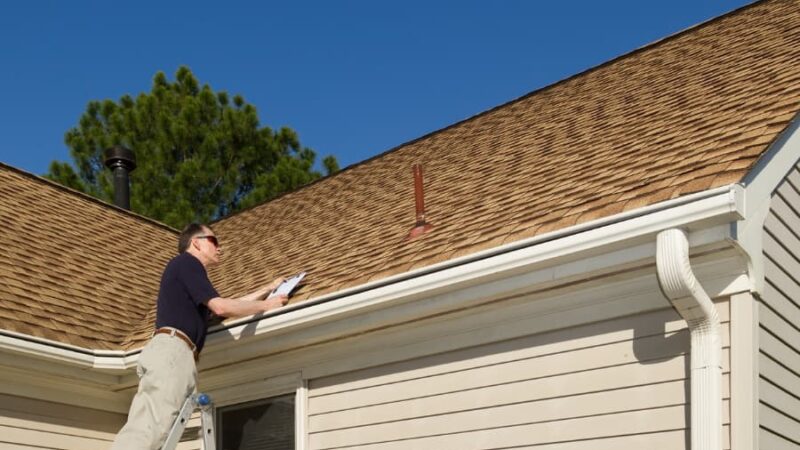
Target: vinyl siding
(592, 386)
(779, 321)
(27, 423)
(192, 438)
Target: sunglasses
(213, 239)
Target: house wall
(779, 321)
(599, 362)
(28, 424)
(619, 383)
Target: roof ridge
(58, 186)
(609, 62)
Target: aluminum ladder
(191, 403)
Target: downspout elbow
(687, 296)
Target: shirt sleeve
(195, 280)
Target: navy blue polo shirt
(182, 296)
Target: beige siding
(585, 387)
(27, 423)
(192, 438)
(779, 321)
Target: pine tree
(200, 154)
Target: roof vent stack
(421, 227)
(121, 161)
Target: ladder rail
(207, 419)
(191, 403)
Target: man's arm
(247, 305)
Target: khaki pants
(167, 375)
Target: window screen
(259, 425)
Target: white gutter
(715, 206)
(57, 351)
(693, 304)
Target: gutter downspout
(684, 292)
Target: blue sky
(353, 78)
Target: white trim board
(760, 184)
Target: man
(166, 369)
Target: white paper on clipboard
(288, 286)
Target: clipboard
(288, 286)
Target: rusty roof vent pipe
(421, 227)
(121, 161)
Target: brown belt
(179, 334)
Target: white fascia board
(19, 343)
(759, 185)
(581, 243)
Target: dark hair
(191, 230)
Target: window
(266, 424)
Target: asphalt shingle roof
(689, 113)
(73, 269)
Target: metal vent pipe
(121, 161)
(421, 226)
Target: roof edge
(54, 350)
(722, 205)
(85, 196)
(538, 264)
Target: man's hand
(275, 302)
(237, 307)
(274, 285)
(249, 304)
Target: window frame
(265, 388)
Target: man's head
(200, 241)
